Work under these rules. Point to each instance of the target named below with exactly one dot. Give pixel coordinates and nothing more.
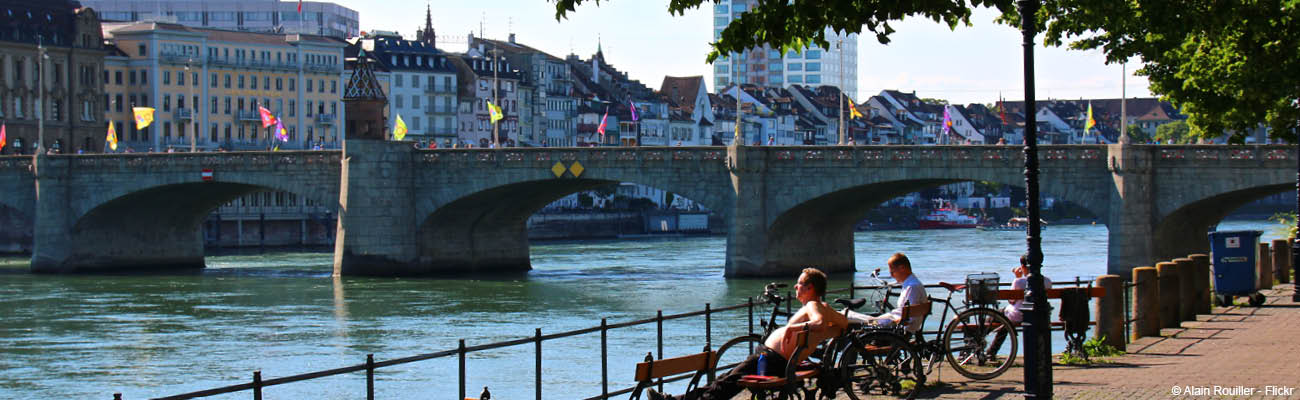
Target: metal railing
(183, 113)
(462, 350)
(325, 119)
(244, 115)
(439, 89)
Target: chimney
(512, 38)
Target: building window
(397, 80)
(227, 108)
(796, 79)
(334, 86)
(213, 106)
(241, 81)
(279, 83)
(180, 78)
(293, 109)
(813, 54)
(794, 67)
(142, 50)
(291, 84)
(252, 82)
(814, 67)
(131, 78)
(227, 81)
(144, 77)
(813, 79)
(167, 77)
(309, 85)
(213, 81)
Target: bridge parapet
(1200, 154)
(23, 163)
(191, 161)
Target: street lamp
(195, 131)
(839, 45)
(1038, 339)
(40, 93)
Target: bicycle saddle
(952, 287)
(852, 304)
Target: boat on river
(1014, 224)
(945, 215)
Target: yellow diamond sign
(558, 169)
(576, 169)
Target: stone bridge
(404, 211)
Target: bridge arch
(486, 230)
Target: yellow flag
(496, 112)
(399, 129)
(853, 109)
(1087, 125)
(112, 136)
(143, 116)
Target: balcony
(439, 109)
(439, 89)
(248, 115)
(183, 114)
(179, 59)
(325, 119)
(324, 68)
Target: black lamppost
(1038, 339)
(1295, 244)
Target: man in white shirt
(1012, 311)
(900, 268)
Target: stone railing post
(1146, 303)
(1167, 273)
(1186, 289)
(1281, 261)
(1109, 310)
(1264, 270)
(1201, 282)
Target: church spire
(427, 35)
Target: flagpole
(839, 45)
(1123, 108)
(40, 93)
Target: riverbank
(1237, 352)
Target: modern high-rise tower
(813, 66)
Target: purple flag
(947, 120)
(280, 133)
(633, 108)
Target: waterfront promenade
(1239, 350)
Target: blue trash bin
(1234, 255)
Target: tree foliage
(1175, 132)
(1229, 64)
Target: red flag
(300, 6)
(1002, 110)
(267, 118)
(2, 137)
(601, 129)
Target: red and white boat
(945, 215)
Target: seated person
(821, 320)
(1012, 310)
(900, 268)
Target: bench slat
(1055, 293)
(675, 365)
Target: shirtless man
(821, 320)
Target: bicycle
(966, 340)
(886, 357)
(729, 358)
(871, 357)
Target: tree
(1176, 131)
(1231, 65)
(942, 102)
(1137, 135)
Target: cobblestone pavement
(1238, 352)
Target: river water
(281, 313)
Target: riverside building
(69, 99)
(813, 66)
(206, 85)
(316, 18)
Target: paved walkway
(1239, 351)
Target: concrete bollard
(1146, 303)
(1264, 275)
(1167, 278)
(1281, 261)
(1109, 310)
(1186, 289)
(1201, 279)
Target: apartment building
(764, 66)
(206, 86)
(63, 41)
(316, 18)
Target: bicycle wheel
(733, 352)
(879, 361)
(972, 347)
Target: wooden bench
(651, 369)
(1074, 342)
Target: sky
(969, 65)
